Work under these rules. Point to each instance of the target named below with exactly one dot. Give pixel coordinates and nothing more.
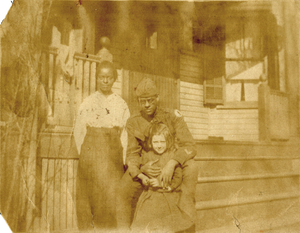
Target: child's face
(159, 143)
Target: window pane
(243, 39)
(252, 39)
(243, 69)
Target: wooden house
(231, 68)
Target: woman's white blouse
(99, 111)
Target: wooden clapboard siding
(191, 106)
(234, 124)
(191, 94)
(191, 67)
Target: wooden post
(264, 111)
(186, 36)
(292, 62)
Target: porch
(246, 162)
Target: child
(157, 208)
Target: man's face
(159, 143)
(105, 80)
(148, 105)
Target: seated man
(138, 129)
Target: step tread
(204, 205)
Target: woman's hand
(145, 179)
(150, 170)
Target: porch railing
(64, 93)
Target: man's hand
(167, 173)
(154, 182)
(145, 179)
(150, 170)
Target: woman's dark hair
(157, 129)
(107, 64)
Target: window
(236, 51)
(209, 40)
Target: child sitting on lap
(157, 208)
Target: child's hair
(157, 129)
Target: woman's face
(159, 143)
(105, 80)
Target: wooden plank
(72, 96)
(57, 193)
(235, 111)
(234, 121)
(51, 80)
(190, 63)
(194, 114)
(234, 116)
(50, 194)
(279, 127)
(44, 197)
(70, 192)
(250, 138)
(189, 53)
(192, 125)
(193, 80)
(191, 97)
(63, 197)
(38, 186)
(125, 85)
(234, 131)
(44, 68)
(188, 67)
(189, 60)
(234, 126)
(120, 75)
(75, 167)
(196, 120)
(79, 83)
(186, 60)
(85, 57)
(93, 78)
(73, 91)
(86, 79)
(189, 73)
(198, 132)
(191, 91)
(191, 85)
(189, 102)
(200, 137)
(245, 200)
(193, 109)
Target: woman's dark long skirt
(100, 168)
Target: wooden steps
(244, 186)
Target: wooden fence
(58, 202)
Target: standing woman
(101, 139)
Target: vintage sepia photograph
(150, 116)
